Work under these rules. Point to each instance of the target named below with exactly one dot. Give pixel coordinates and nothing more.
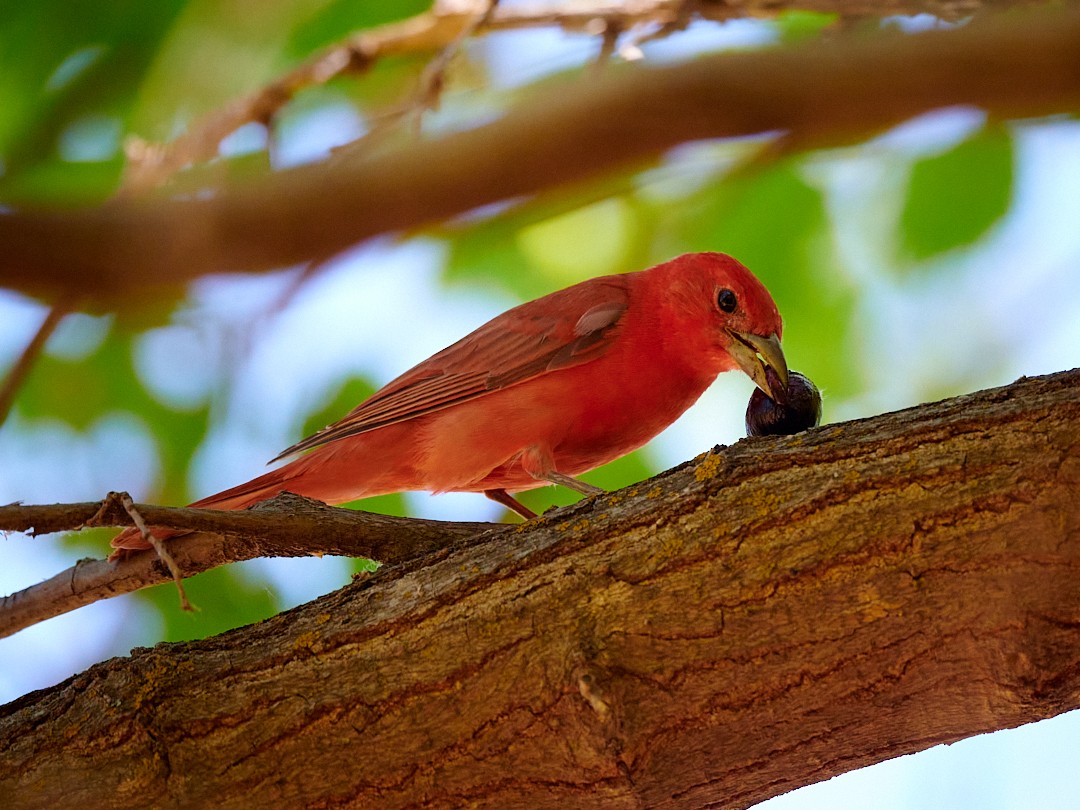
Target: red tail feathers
(239, 497)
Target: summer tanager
(544, 392)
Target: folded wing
(561, 330)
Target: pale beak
(754, 354)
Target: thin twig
(433, 79)
(151, 165)
(609, 39)
(425, 97)
(21, 370)
(159, 547)
(285, 526)
(685, 14)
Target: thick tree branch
(1026, 65)
(770, 615)
(285, 526)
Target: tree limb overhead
(819, 93)
(446, 24)
(767, 616)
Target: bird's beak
(754, 354)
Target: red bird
(542, 393)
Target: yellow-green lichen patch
(150, 680)
(310, 640)
(581, 525)
(872, 605)
(764, 501)
(709, 466)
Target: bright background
(931, 260)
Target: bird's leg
(510, 502)
(538, 463)
(571, 483)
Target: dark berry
(798, 407)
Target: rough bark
(769, 615)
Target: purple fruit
(797, 408)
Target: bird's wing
(561, 330)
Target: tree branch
(770, 615)
(447, 23)
(19, 372)
(820, 93)
(285, 526)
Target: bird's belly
(478, 445)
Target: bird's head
(723, 308)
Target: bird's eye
(726, 300)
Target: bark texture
(767, 616)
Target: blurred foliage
(336, 19)
(78, 78)
(78, 392)
(956, 197)
(774, 222)
(352, 392)
(65, 60)
(222, 598)
(797, 25)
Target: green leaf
(795, 26)
(340, 18)
(956, 197)
(223, 598)
(594, 238)
(490, 254)
(62, 61)
(216, 50)
(529, 249)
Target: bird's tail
(238, 497)
(372, 464)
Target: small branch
(21, 369)
(285, 526)
(159, 547)
(433, 79)
(428, 91)
(609, 38)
